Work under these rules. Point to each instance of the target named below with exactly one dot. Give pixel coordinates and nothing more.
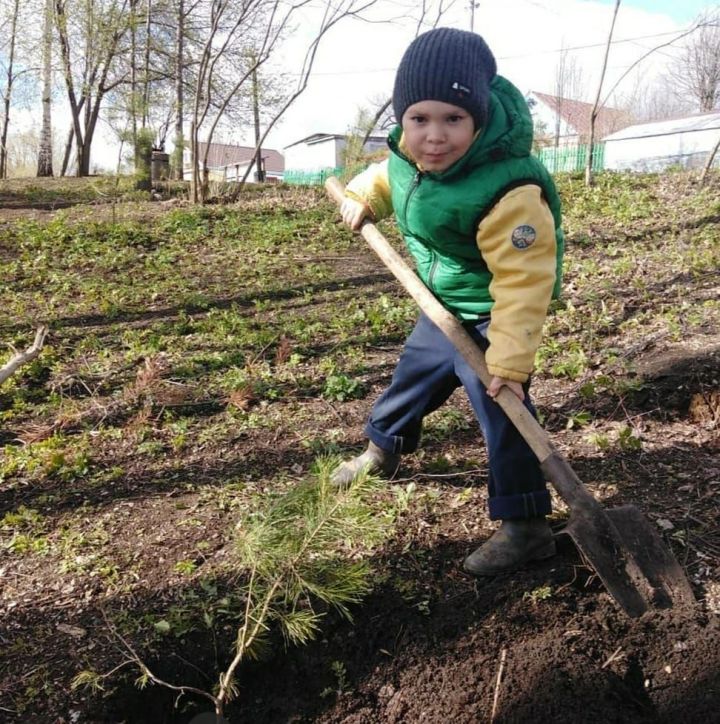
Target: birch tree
(45, 150)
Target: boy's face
(437, 134)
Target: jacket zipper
(431, 274)
(413, 187)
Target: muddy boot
(374, 460)
(514, 543)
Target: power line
(512, 57)
(592, 45)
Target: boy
(481, 219)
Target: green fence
(562, 158)
(318, 176)
(311, 178)
(571, 158)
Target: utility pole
(473, 5)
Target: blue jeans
(429, 370)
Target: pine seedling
(304, 553)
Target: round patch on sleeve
(523, 236)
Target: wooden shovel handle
(526, 424)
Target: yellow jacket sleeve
(517, 242)
(372, 188)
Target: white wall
(312, 157)
(654, 153)
(542, 114)
(325, 154)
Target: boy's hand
(353, 212)
(497, 383)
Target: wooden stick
(21, 358)
(501, 669)
(613, 656)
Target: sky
(682, 10)
(356, 60)
(356, 63)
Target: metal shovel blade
(668, 584)
(630, 558)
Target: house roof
(698, 122)
(225, 154)
(322, 137)
(577, 115)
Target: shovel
(625, 551)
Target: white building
(654, 146)
(324, 151)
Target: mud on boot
(374, 460)
(513, 544)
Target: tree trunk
(256, 119)
(146, 78)
(194, 196)
(45, 151)
(81, 142)
(596, 106)
(8, 91)
(179, 140)
(709, 163)
(68, 151)
(133, 78)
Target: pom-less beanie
(448, 65)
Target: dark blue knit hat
(448, 65)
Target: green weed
(543, 593)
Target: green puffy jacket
(439, 213)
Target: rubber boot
(513, 544)
(374, 460)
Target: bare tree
(228, 24)
(146, 69)
(45, 150)
(699, 26)
(568, 86)
(103, 26)
(235, 28)
(9, 81)
(652, 100)
(596, 105)
(696, 73)
(332, 15)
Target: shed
(654, 146)
(323, 151)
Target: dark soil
(431, 644)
